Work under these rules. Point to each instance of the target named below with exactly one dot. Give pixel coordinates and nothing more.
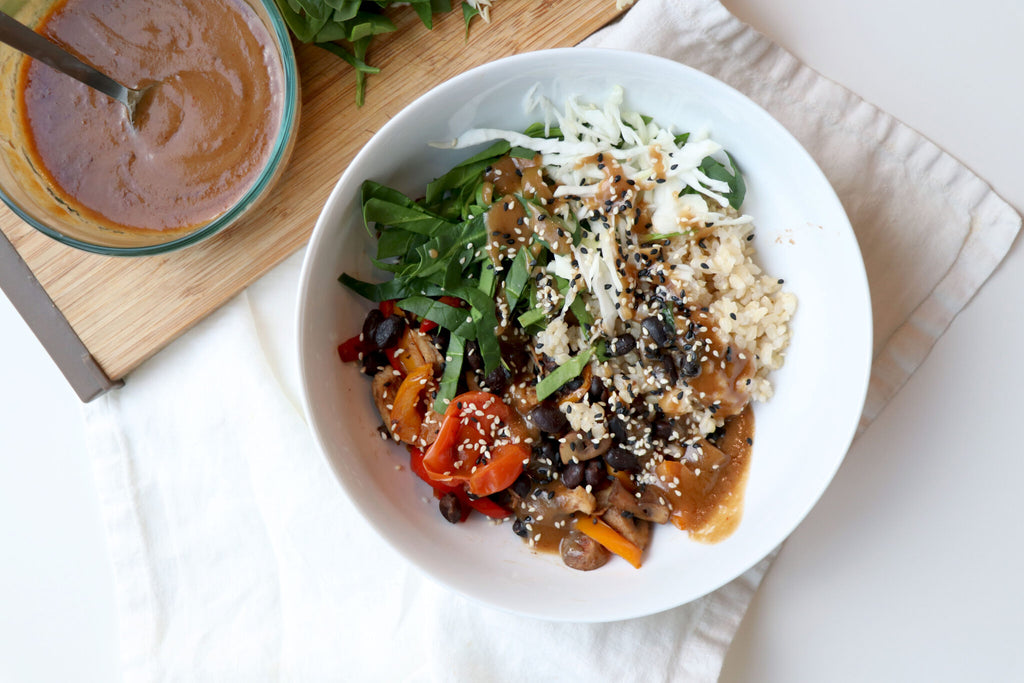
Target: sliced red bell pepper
(488, 507)
(350, 349)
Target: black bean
(618, 428)
(714, 436)
(373, 320)
(572, 385)
(518, 528)
(496, 380)
(573, 474)
(658, 330)
(621, 345)
(670, 369)
(691, 368)
(596, 392)
(596, 474)
(549, 418)
(543, 463)
(389, 332)
(374, 362)
(621, 459)
(451, 508)
(549, 450)
(521, 486)
(662, 429)
(473, 356)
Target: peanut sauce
(725, 371)
(705, 489)
(203, 135)
(509, 225)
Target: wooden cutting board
(125, 309)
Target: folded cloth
(236, 555)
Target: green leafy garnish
(716, 170)
(452, 372)
(532, 317)
(467, 172)
(452, 318)
(655, 236)
(568, 370)
(518, 276)
(347, 27)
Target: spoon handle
(24, 39)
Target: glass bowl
(29, 192)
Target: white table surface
(908, 568)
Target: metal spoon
(25, 40)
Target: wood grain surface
(126, 309)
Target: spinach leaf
(452, 318)
(347, 27)
(518, 276)
(452, 373)
(568, 370)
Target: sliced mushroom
(430, 427)
(416, 349)
(650, 505)
(634, 529)
(427, 350)
(574, 500)
(385, 385)
(653, 507)
(578, 445)
(707, 463)
(581, 552)
(523, 394)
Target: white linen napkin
(236, 555)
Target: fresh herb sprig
(347, 27)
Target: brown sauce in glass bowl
(203, 135)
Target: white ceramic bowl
(803, 235)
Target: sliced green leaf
(413, 219)
(518, 276)
(536, 130)
(568, 370)
(392, 289)
(532, 317)
(452, 318)
(452, 373)
(396, 243)
(468, 12)
(716, 170)
(522, 152)
(482, 312)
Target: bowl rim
(278, 156)
(765, 546)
